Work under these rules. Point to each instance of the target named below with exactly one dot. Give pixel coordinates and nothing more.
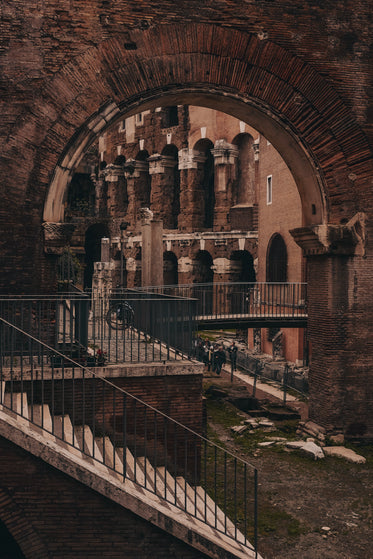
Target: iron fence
(243, 301)
(95, 329)
(106, 423)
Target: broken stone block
(267, 444)
(308, 448)
(239, 429)
(337, 439)
(346, 453)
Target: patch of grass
(223, 413)
(272, 520)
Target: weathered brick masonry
(299, 72)
(53, 515)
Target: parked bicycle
(120, 315)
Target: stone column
(161, 167)
(340, 321)
(116, 191)
(151, 250)
(192, 200)
(225, 156)
(138, 187)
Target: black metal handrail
(242, 300)
(89, 328)
(127, 435)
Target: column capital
(224, 153)
(56, 237)
(112, 172)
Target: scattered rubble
(344, 452)
(307, 447)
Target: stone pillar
(151, 251)
(340, 321)
(138, 187)
(156, 252)
(225, 156)
(116, 190)
(192, 200)
(105, 250)
(161, 167)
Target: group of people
(214, 357)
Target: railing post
(285, 382)
(256, 512)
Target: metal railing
(110, 328)
(266, 302)
(130, 437)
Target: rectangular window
(269, 189)
(139, 121)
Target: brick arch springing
(18, 523)
(257, 81)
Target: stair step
(17, 402)
(110, 456)
(2, 391)
(40, 415)
(153, 480)
(87, 443)
(63, 429)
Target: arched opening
(9, 547)
(277, 260)
(242, 267)
(202, 267)
(80, 196)
(92, 246)
(120, 160)
(244, 187)
(170, 268)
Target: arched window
(277, 260)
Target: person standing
(232, 350)
(219, 360)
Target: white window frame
(269, 190)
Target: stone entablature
(190, 159)
(112, 173)
(159, 163)
(187, 239)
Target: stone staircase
(153, 493)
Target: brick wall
(50, 514)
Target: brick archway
(17, 523)
(256, 81)
(259, 81)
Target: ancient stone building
(299, 73)
(224, 195)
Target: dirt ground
(308, 509)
